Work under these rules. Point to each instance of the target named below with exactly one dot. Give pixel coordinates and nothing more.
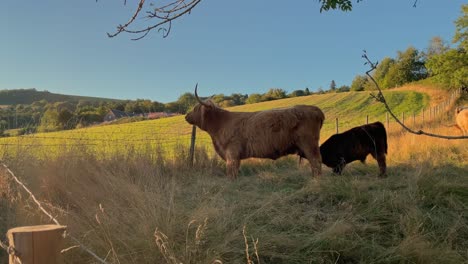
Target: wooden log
(36, 244)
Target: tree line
(440, 63)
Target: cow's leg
(382, 163)
(312, 153)
(339, 168)
(232, 165)
(232, 168)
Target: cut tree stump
(39, 244)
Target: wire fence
(428, 115)
(175, 134)
(12, 251)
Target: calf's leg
(380, 157)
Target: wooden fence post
(336, 125)
(367, 119)
(36, 244)
(192, 145)
(403, 120)
(386, 116)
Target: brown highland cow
(265, 134)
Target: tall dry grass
(139, 207)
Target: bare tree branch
(164, 14)
(380, 98)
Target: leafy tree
(343, 88)
(306, 91)
(63, 118)
(408, 67)
(381, 74)
(186, 102)
(296, 93)
(332, 86)
(254, 98)
(49, 121)
(226, 103)
(359, 82)
(436, 46)
(239, 99)
(461, 26)
(157, 107)
(218, 98)
(274, 94)
(3, 127)
(173, 107)
(450, 68)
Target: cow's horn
(198, 99)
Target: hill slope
(28, 96)
(351, 109)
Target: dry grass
(136, 209)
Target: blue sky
(226, 46)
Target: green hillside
(28, 96)
(350, 108)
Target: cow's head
(201, 112)
(459, 109)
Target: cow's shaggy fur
(265, 134)
(356, 144)
(462, 119)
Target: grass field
(169, 133)
(138, 206)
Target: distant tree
(306, 91)
(254, 98)
(63, 118)
(49, 121)
(296, 93)
(343, 88)
(218, 98)
(274, 94)
(461, 29)
(173, 107)
(157, 107)
(381, 74)
(450, 68)
(436, 46)
(239, 99)
(408, 67)
(186, 102)
(332, 86)
(359, 83)
(3, 127)
(320, 90)
(226, 103)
